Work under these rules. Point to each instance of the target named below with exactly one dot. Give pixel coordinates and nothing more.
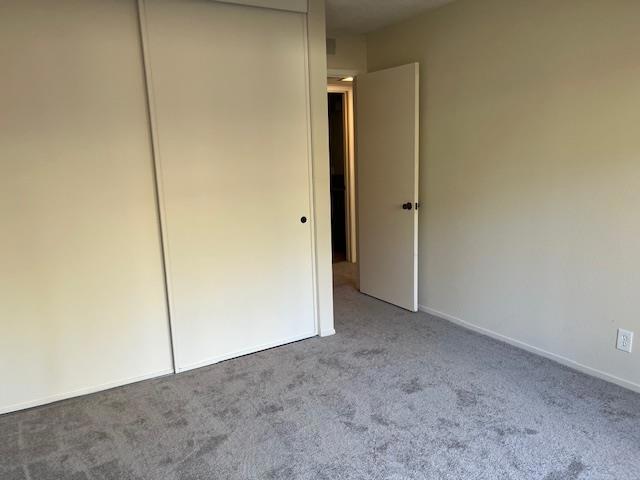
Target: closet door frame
(324, 324)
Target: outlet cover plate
(625, 340)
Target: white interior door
(231, 101)
(387, 178)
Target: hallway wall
(530, 171)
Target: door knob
(407, 206)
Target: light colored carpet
(393, 395)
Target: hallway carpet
(393, 395)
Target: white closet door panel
(82, 303)
(230, 92)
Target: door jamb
(349, 135)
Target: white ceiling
(362, 16)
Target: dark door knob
(407, 206)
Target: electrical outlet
(625, 340)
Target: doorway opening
(387, 121)
(342, 170)
(338, 160)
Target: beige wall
(351, 53)
(530, 171)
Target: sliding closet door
(230, 97)
(82, 302)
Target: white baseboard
(82, 391)
(221, 358)
(106, 386)
(530, 348)
(328, 333)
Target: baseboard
(328, 333)
(106, 386)
(239, 353)
(82, 391)
(530, 348)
